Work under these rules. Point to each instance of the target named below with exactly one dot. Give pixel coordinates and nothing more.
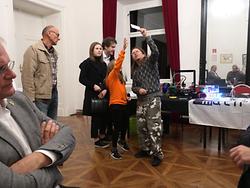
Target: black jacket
(91, 73)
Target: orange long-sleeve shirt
(117, 90)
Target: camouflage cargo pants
(149, 126)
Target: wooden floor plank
(186, 163)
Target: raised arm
(154, 49)
(121, 56)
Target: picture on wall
(226, 58)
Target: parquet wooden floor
(186, 163)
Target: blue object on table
(165, 87)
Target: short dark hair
(108, 41)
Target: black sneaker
(123, 145)
(107, 138)
(101, 144)
(141, 154)
(115, 154)
(155, 161)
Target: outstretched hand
(144, 32)
(125, 44)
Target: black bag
(99, 106)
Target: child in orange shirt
(117, 102)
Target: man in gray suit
(31, 144)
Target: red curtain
(170, 16)
(109, 18)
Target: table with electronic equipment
(168, 105)
(171, 104)
(178, 105)
(232, 113)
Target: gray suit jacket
(29, 118)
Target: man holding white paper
(146, 84)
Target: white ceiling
(33, 8)
(37, 9)
(127, 2)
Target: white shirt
(106, 58)
(11, 125)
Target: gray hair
(46, 29)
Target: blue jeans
(49, 106)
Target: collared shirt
(54, 66)
(52, 57)
(106, 58)
(11, 125)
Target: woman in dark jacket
(93, 72)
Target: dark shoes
(115, 154)
(155, 161)
(142, 154)
(107, 138)
(123, 145)
(101, 144)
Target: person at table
(212, 76)
(235, 76)
(241, 156)
(146, 85)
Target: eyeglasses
(57, 34)
(9, 66)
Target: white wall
(24, 37)
(189, 34)
(81, 24)
(123, 26)
(189, 13)
(227, 26)
(7, 25)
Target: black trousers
(109, 126)
(98, 125)
(120, 117)
(244, 181)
